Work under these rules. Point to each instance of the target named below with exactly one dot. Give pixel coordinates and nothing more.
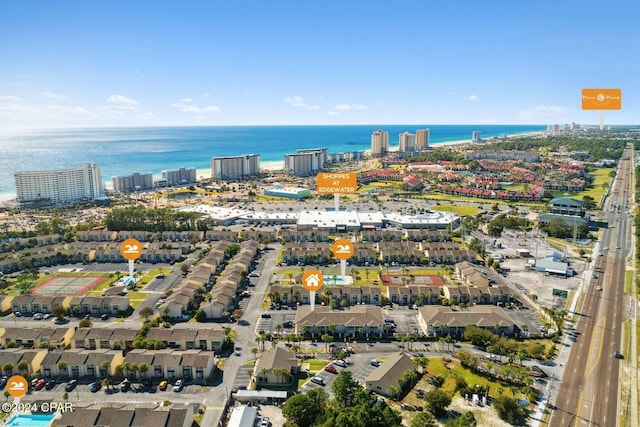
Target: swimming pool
(338, 280)
(29, 420)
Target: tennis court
(68, 285)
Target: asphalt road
(588, 394)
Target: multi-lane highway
(588, 394)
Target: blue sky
(143, 63)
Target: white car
(340, 363)
(317, 380)
(178, 386)
(374, 362)
(598, 288)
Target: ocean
(122, 151)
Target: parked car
(125, 385)
(163, 385)
(40, 384)
(331, 369)
(318, 380)
(340, 363)
(618, 355)
(374, 362)
(37, 316)
(95, 386)
(71, 385)
(50, 384)
(105, 316)
(178, 386)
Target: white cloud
(9, 98)
(349, 107)
(298, 102)
(53, 96)
(294, 100)
(122, 100)
(123, 103)
(185, 106)
(64, 109)
(544, 111)
(333, 113)
(472, 98)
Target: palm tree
(327, 339)
(104, 366)
(422, 363)
(62, 366)
(143, 368)
(394, 391)
(254, 351)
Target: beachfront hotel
(305, 162)
(182, 176)
(407, 142)
(59, 187)
(235, 167)
(379, 143)
(131, 183)
(476, 136)
(422, 139)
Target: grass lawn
(601, 176)
(459, 210)
(449, 370)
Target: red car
(330, 368)
(40, 384)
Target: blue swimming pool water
(27, 420)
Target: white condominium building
(58, 187)
(407, 142)
(180, 176)
(131, 183)
(235, 167)
(422, 139)
(379, 143)
(304, 164)
(476, 136)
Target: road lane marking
(596, 341)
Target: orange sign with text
(17, 386)
(342, 249)
(312, 280)
(131, 249)
(601, 99)
(337, 183)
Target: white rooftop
(216, 212)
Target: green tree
(85, 323)
(467, 420)
(423, 419)
(200, 316)
(304, 410)
(344, 388)
(437, 402)
(146, 312)
(510, 411)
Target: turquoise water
(330, 280)
(122, 151)
(27, 420)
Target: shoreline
(278, 165)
